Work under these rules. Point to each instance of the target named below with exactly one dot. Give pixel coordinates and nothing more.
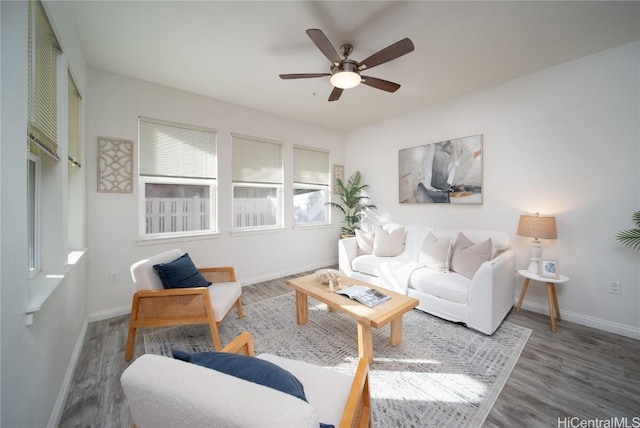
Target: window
(257, 183)
(33, 213)
(178, 171)
(310, 185)
(42, 131)
(74, 122)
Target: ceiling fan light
(345, 79)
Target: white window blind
(174, 150)
(256, 161)
(310, 166)
(74, 122)
(43, 50)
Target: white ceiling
(233, 51)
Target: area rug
(441, 375)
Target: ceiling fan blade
(323, 43)
(387, 54)
(303, 75)
(335, 94)
(385, 85)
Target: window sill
(143, 240)
(312, 226)
(263, 231)
(42, 286)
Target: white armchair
(154, 306)
(165, 392)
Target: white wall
(114, 106)
(562, 142)
(37, 359)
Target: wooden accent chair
(155, 306)
(162, 391)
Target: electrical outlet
(113, 277)
(615, 287)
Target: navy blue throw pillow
(248, 368)
(180, 273)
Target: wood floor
(577, 372)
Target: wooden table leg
(555, 302)
(522, 293)
(396, 331)
(552, 316)
(302, 309)
(365, 341)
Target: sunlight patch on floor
(442, 387)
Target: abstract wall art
(448, 172)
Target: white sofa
(480, 301)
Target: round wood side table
(552, 297)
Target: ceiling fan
(345, 72)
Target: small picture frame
(548, 268)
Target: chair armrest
(357, 410)
(347, 251)
(242, 344)
(219, 274)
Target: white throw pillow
(365, 242)
(389, 240)
(435, 252)
(467, 256)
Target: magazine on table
(365, 295)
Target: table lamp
(535, 226)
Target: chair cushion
(467, 257)
(327, 390)
(180, 273)
(223, 296)
(145, 277)
(248, 368)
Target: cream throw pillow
(388, 240)
(435, 252)
(467, 257)
(365, 242)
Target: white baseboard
(600, 324)
(276, 275)
(105, 314)
(58, 407)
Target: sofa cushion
(448, 286)
(180, 273)
(368, 264)
(248, 368)
(365, 241)
(388, 240)
(467, 256)
(435, 252)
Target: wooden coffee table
(390, 311)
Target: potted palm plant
(352, 203)
(631, 238)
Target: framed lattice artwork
(336, 172)
(115, 165)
